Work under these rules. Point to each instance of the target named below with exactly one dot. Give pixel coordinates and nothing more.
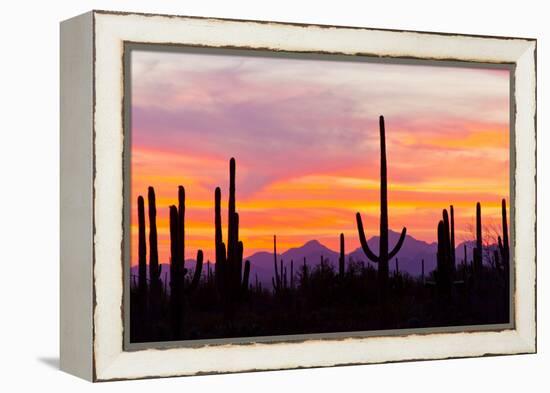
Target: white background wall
(29, 198)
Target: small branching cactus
(231, 278)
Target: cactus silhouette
(384, 254)
(503, 257)
(503, 243)
(231, 280)
(277, 279)
(478, 249)
(155, 269)
(452, 240)
(342, 258)
(178, 289)
(142, 250)
(444, 279)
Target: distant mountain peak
(310, 243)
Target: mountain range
(410, 256)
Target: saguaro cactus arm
(397, 247)
(362, 238)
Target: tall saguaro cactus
(384, 254)
(503, 243)
(142, 250)
(478, 249)
(444, 272)
(154, 267)
(452, 240)
(178, 289)
(504, 257)
(232, 281)
(342, 258)
(277, 279)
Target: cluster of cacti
(148, 298)
(384, 254)
(231, 278)
(179, 288)
(280, 281)
(473, 274)
(226, 287)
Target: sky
(304, 133)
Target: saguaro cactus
(478, 249)
(276, 281)
(452, 242)
(503, 243)
(504, 257)
(444, 278)
(178, 289)
(342, 258)
(142, 250)
(384, 254)
(232, 282)
(154, 267)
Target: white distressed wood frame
(92, 195)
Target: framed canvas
(246, 195)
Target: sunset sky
(305, 137)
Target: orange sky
(305, 137)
